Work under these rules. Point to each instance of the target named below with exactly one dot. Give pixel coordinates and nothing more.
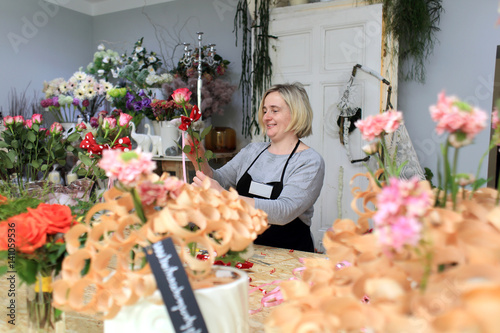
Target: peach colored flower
(455, 116)
(374, 126)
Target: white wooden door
(318, 45)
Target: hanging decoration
(256, 70)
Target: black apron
(294, 235)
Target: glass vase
(43, 317)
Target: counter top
(270, 265)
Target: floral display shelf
(269, 265)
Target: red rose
(30, 235)
(57, 217)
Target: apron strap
(289, 157)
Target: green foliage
(413, 24)
(256, 66)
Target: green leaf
(209, 155)
(73, 137)
(85, 159)
(15, 144)
(43, 167)
(197, 135)
(3, 144)
(31, 136)
(26, 269)
(206, 130)
(29, 145)
(187, 149)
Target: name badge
(262, 190)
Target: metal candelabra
(205, 55)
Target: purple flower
(55, 101)
(146, 102)
(85, 103)
(142, 93)
(137, 106)
(47, 102)
(76, 101)
(94, 122)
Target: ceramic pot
(224, 309)
(170, 135)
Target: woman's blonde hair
(295, 96)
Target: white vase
(67, 127)
(170, 135)
(224, 309)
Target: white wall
(463, 64)
(38, 43)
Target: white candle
(71, 177)
(54, 177)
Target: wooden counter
(270, 265)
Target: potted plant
(143, 209)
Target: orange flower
(31, 233)
(57, 217)
(3, 200)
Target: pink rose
(28, 123)
(37, 118)
(18, 120)
(8, 121)
(181, 96)
(124, 119)
(80, 127)
(56, 128)
(375, 126)
(109, 123)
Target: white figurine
(143, 140)
(155, 141)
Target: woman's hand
(205, 167)
(201, 177)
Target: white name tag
(262, 190)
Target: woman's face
(276, 116)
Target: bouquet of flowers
(141, 69)
(105, 60)
(30, 151)
(82, 93)
(107, 131)
(148, 208)
(33, 247)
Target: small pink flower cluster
(457, 117)
(374, 126)
(400, 205)
(495, 121)
(126, 167)
(158, 192)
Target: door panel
(318, 45)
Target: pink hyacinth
(455, 116)
(374, 126)
(400, 205)
(124, 119)
(126, 167)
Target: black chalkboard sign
(175, 289)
